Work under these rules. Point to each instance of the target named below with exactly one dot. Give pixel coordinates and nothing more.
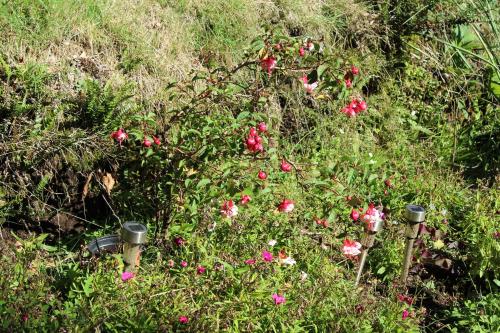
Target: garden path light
(133, 235)
(371, 230)
(414, 215)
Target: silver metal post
(371, 230)
(133, 235)
(414, 216)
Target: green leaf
(243, 115)
(321, 69)
(381, 270)
(203, 183)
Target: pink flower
(200, 270)
(156, 140)
(351, 248)
(179, 241)
(286, 206)
(372, 216)
(262, 175)
(267, 256)
(322, 222)
(354, 70)
(171, 263)
(229, 209)
(406, 299)
(348, 83)
(183, 319)
(405, 314)
(302, 52)
(127, 276)
(250, 261)
(349, 111)
(362, 106)
(285, 166)
(278, 299)
(146, 143)
(355, 106)
(496, 234)
(354, 214)
(24, 317)
(245, 199)
(268, 64)
(309, 87)
(184, 263)
(262, 127)
(254, 141)
(119, 135)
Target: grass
(163, 68)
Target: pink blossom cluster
(120, 135)
(254, 141)
(356, 106)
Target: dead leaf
(85, 191)
(109, 182)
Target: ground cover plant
(257, 140)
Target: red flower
(351, 248)
(183, 319)
(406, 299)
(146, 143)
(405, 314)
(362, 106)
(119, 135)
(268, 64)
(262, 175)
(285, 166)
(302, 52)
(286, 206)
(200, 270)
(229, 209)
(348, 83)
(349, 111)
(322, 222)
(262, 127)
(245, 199)
(354, 70)
(156, 140)
(250, 261)
(254, 141)
(179, 241)
(354, 214)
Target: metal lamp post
(414, 216)
(133, 235)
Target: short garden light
(372, 228)
(414, 215)
(133, 235)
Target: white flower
(444, 212)
(272, 242)
(303, 276)
(289, 261)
